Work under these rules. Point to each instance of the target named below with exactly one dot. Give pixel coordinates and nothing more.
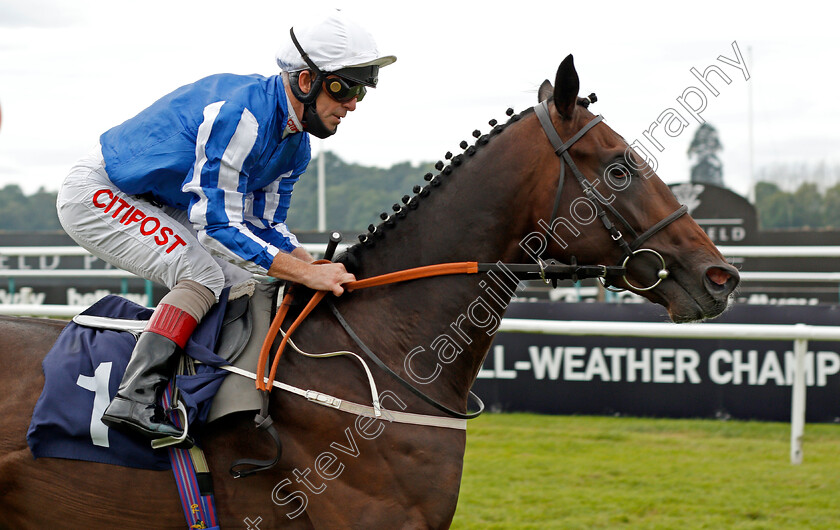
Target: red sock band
(175, 324)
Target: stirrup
(167, 441)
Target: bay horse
(498, 201)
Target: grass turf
(532, 471)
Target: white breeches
(129, 232)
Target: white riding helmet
(334, 43)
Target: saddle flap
(236, 329)
(238, 394)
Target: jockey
(193, 192)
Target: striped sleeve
(218, 183)
(268, 209)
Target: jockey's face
(329, 110)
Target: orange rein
(443, 269)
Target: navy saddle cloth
(82, 373)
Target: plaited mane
(444, 169)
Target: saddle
(244, 325)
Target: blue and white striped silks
(216, 148)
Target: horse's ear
(566, 87)
(545, 92)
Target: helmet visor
(360, 75)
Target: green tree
(355, 194)
(29, 213)
(775, 207)
(831, 207)
(807, 207)
(14, 208)
(804, 208)
(708, 169)
(765, 189)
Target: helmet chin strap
(313, 124)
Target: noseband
(630, 250)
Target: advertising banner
(659, 377)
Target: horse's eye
(618, 176)
(618, 171)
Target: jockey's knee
(191, 297)
(205, 274)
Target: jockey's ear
(566, 87)
(305, 81)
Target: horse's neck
(448, 321)
(473, 215)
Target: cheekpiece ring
(661, 274)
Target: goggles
(342, 91)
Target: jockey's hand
(319, 276)
(328, 277)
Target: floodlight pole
(750, 140)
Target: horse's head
(613, 206)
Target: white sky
(71, 70)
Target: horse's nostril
(718, 276)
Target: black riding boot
(135, 408)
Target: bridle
(599, 203)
